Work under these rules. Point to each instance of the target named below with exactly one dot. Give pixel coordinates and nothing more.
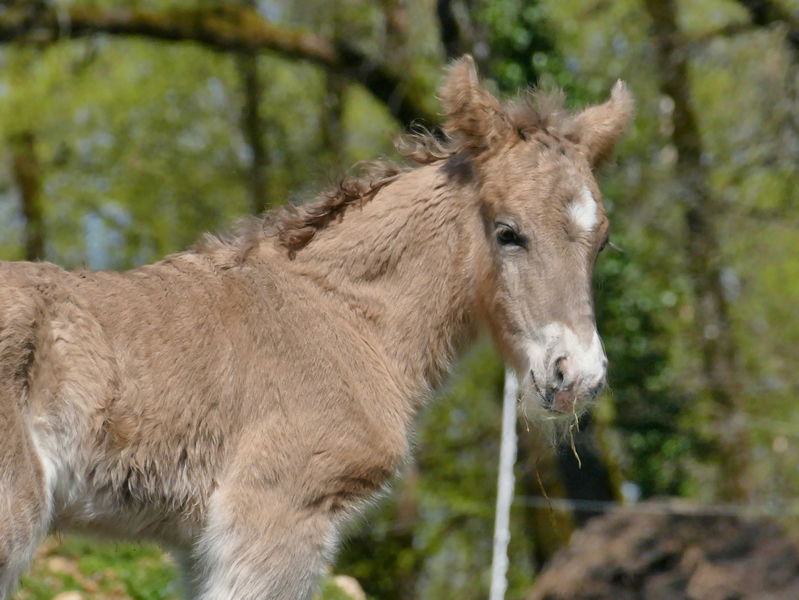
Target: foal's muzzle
(569, 387)
(568, 378)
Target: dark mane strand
(295, 226)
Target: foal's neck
(408, 263)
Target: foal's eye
(507, 236)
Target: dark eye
(507, 236)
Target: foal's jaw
(564, 371)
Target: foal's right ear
(472, 113)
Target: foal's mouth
(557, 401)
(561, 401)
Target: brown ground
(637, 556)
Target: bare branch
(28, 177)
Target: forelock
(537, 110)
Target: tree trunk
(460, 34)
(27, 176)
(397, 29)
(333, 138)
(252, 125)
(584, 472)
(549, 529)
(700, 209)
(454, 34)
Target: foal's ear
(598, 128)
(472, 113)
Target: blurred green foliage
(140, 150)
(101, 570)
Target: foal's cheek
(513, 288)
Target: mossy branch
(225, 29)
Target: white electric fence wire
(505, 482)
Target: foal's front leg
(258, 546)
(25, 507)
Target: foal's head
(545, 225)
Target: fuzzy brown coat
(237, 401)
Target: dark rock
(664, 551)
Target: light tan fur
(236, 402)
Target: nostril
(561, 365)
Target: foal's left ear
(598, 128)
(472, 113)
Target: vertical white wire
(505, 482)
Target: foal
(238, 401)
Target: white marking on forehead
(583, 210)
